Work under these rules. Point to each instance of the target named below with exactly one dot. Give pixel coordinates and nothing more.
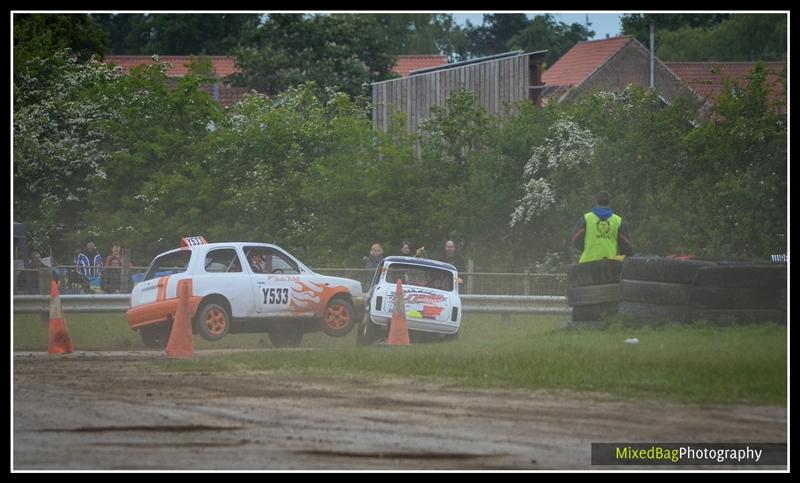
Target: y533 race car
(430, 295)
(242, 287)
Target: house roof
(407, 63)
(221, 65)
(229, 95)
(581, 60)
(706, 78)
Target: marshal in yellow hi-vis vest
(601, 237)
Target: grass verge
(686, 364)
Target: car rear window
(419, 276)
(169, 264)
(224, 260)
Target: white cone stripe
(55, 308)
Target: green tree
(158, 186)
(638, 24)
(544, 33)
(42, 35)
(745, 37)
(58, 154)
(177, 34)
(368, 189)
(347, 51)
(739, 167)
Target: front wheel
(156, 336)
(212, 322)
(337, 320)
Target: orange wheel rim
(216, 321)
(337, 316)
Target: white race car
(430, 295)
(242, 287)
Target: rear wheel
(212, 322)
(337, 320)
(156, 336)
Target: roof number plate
(191, 241)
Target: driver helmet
(257, 263)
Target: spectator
(453, 258)
(110, 283)
(89, 262)
(375, 257)
(600, 233)
(116, 252)
(406, 248)
(28, 279)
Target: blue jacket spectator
(89, 261)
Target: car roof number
(191, 241)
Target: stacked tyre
(656, 290)
(729, 294)
(593, 292)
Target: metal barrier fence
(110, 280)
(483, 304)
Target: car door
(272, 274)
(223, 273)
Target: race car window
(270, 261)
(169, 264)
(224, 260)
(420, 276)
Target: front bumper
(156, 312)
(422, 325)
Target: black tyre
(653, 314)
(594, 273)
(596, 312)
(743, 276)
(593, 294)
(368, 333)
(156, 336)
(212, 321)
(736, 298)
(667, 270)
(661, 293)
(586, 324)
(737, 317)
(338, 319)
(286, 335)
(451, 337)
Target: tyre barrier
(593, 292)
(656, 290)
(739, 294)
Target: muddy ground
(108, 411)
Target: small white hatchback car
(430, 295)
(241, 287)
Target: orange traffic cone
(59, 341)
(398, 331)
(180, 339)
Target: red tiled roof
(706, 78)
(407, 63)
(222, 66)
(229, 95)
(581, 60)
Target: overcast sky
(602, 23)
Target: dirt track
(104, 411)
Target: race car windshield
(169, 264)
(420, 276)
